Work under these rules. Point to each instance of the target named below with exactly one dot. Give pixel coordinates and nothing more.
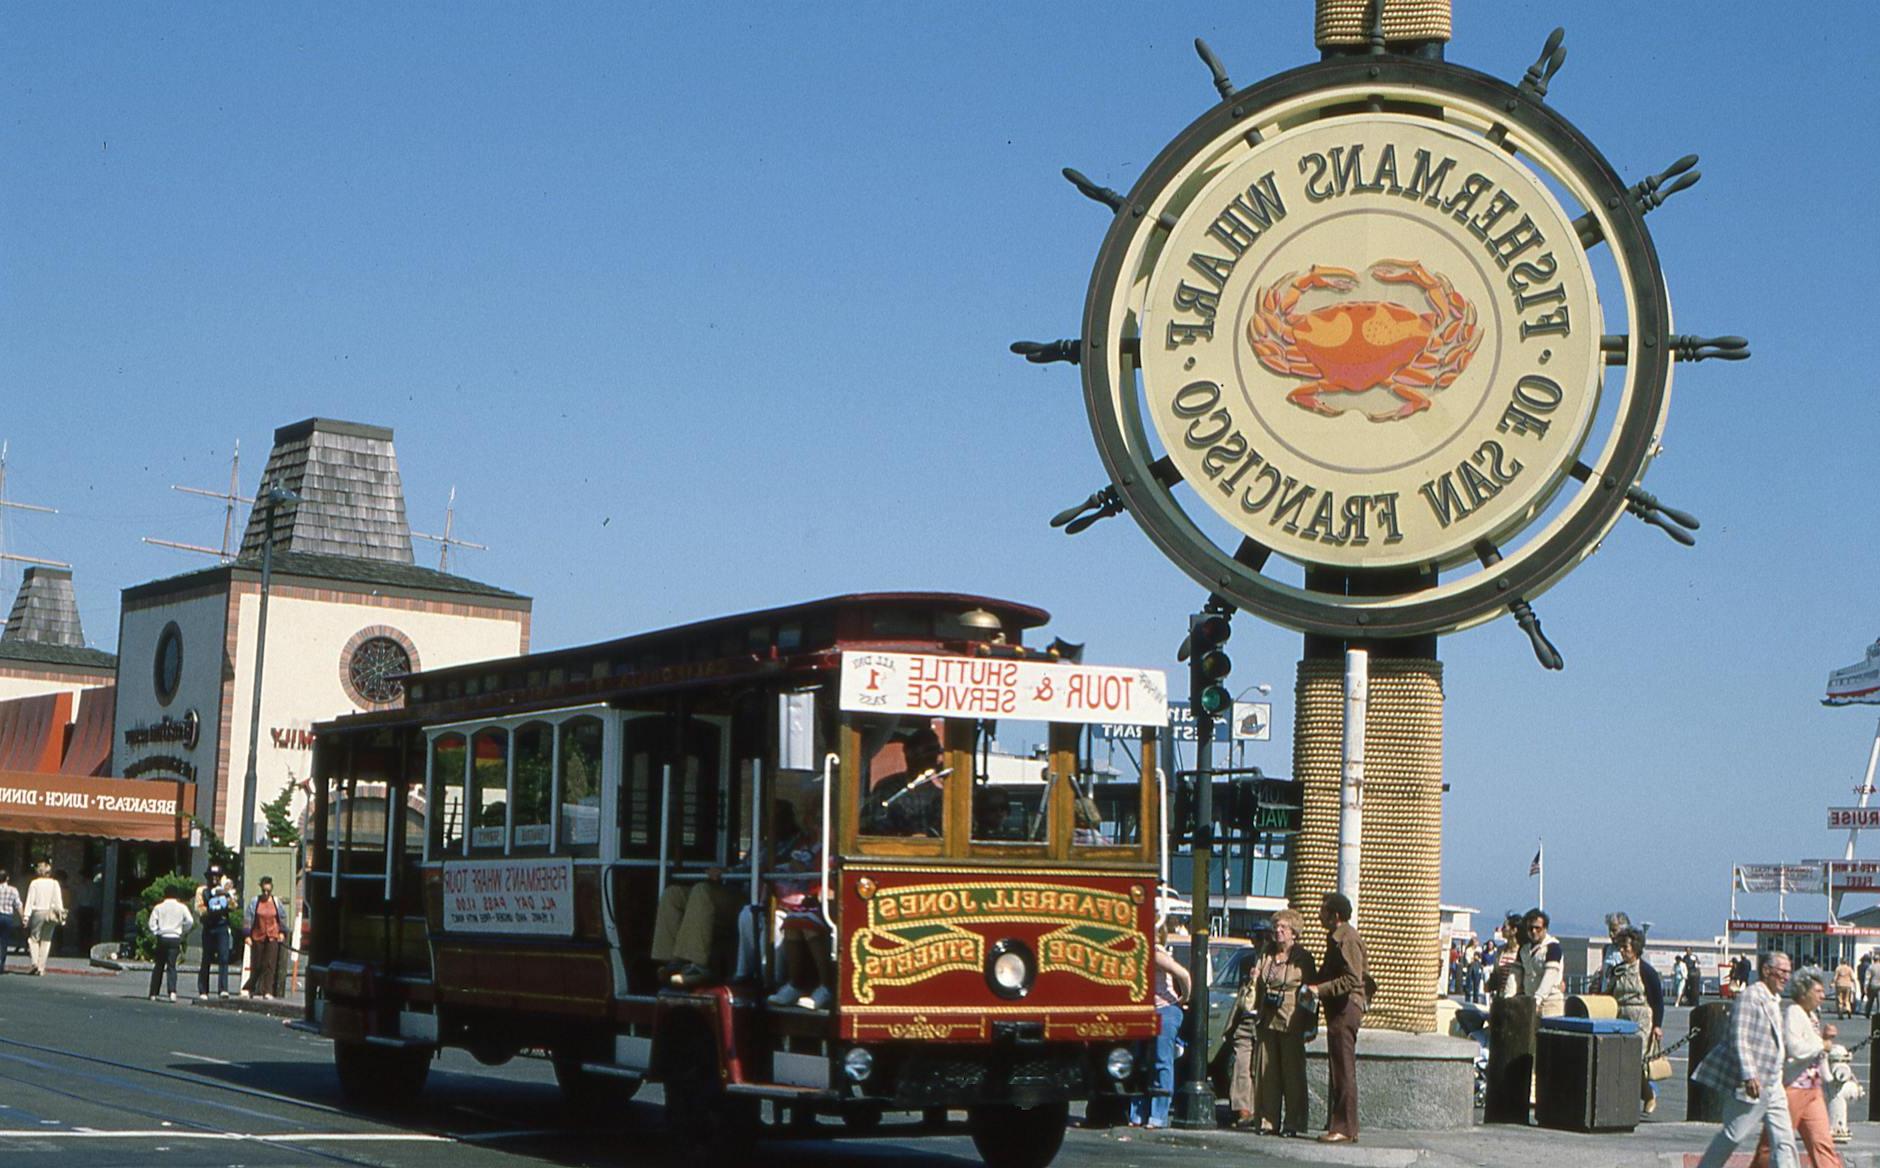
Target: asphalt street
(93, 1073)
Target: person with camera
(1283, 1021)
(215, 901)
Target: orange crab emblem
(1358, 345)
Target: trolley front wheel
(1018, 1137)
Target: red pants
(1814, 1136)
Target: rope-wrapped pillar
(1400, 875)
(1346, 24)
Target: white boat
(1856, 683)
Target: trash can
(1587, 1074)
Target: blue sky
(706, 312)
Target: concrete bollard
(1511, 1041)
(1710, 1024)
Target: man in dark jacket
(1343, 987)
(214, 903)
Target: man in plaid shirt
(1747, 1065)
(12, 916)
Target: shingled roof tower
(46, 610)
(352, 500)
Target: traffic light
(1208, 663)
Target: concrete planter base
(1414, 1082)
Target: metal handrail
(830, 764)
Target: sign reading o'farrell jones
(1373, 343)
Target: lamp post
(277, 494)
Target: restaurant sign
(122, 809)
(1853, 876)
(1784, 928)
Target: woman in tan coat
(1281, 1078)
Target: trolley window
(489, 789)
(901, 771)
(449, 760)
(534, 790)
(578, 769)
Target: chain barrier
(1681, 1043)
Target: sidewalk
(1651, 1145)
(134, 976)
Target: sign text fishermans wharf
(1373, 343)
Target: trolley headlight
(858, 1064)
(1010, 969)
(1120, 1063)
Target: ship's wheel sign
(1352, 318)
(1372, 343)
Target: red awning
(88, 745)
(32, 731)
(149, 810)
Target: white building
(348, 612)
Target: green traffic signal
(1214, 699)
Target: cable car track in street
(297, 1142)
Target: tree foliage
(281, 830)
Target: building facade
(349, 612)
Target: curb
(1304, 1149)
(1432, 1149)
(271, 1007)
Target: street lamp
(277, 494)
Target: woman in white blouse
(1804, 1066)
(45, 911)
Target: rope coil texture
(1341, 23)
(1400, 871)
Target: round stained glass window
(375, 667)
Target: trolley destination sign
(1373, 343)
(935, 685)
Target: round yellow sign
(1372, 342)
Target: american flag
(1534, 869)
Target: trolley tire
(588, 1093)
(865, 1117)
(707, 1126)
(380, 1077)
(1106, 1111)
(1018, 1137)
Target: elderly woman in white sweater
(1805, 1065)
(45, 911)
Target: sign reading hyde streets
(1373, 342)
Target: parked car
(1231, 958)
